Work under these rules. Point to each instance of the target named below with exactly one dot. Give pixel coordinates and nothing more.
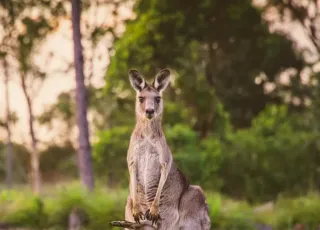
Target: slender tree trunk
(74, 220)
(9, 153)
(84, 152)
(35, 166)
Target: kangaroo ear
(136, 79)
(161, 80)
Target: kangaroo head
(149, 102)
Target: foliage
(274, 156)
(58, 161)
(21, 160)
(277, 155)
(301, 210)
(110, 154)
(98, 208)
(304, 13)
(102, 206)
(63, 109)
(55, 160)
(216, 50)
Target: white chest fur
(148, 164)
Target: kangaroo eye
(158, 99)
(141, 99)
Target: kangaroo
(160, 195)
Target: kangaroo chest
(148, 165)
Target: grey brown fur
(160, 195)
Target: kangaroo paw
(137, 215)
(153, 215)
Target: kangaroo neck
(146, 127)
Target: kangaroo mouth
(149, 116)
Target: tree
(9, 153)
(62, 111)
(97, 38)
(84, 152)
(218, 49)
(20, 46)
(7, 123)
(35, 157)
(10, 118)
(306, 15)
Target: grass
(21, 207)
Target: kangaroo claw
(137, 216)
(152, 216)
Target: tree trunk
(74, 220)
(84, 152)
(35, 166)
(8, 156)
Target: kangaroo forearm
(133, 182)
(163, 177)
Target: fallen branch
(125, 224)
(129, 225)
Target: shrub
(98, 208)
(110, 154)
(301, 210)
(102, 206)
(57, 160)
(270, 158)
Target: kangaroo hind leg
(194, 214)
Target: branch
(129, 225)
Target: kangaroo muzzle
(149, 113)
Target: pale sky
(60, 44)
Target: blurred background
(241, 113)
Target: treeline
(277, 156)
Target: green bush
(183, 142)
(23, 209)
(229, 215)
(97, 208)
(302, 210)
(59, 160)
(21, 161)
(103, 205)
(270, 158)
(110, 155)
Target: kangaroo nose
(150, 112)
